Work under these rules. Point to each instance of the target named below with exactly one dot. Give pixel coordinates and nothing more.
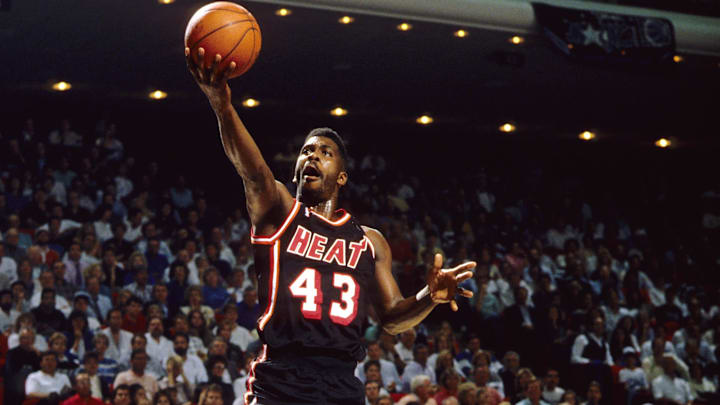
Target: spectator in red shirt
(134, 321)
(82, 387)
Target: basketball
(227, 29)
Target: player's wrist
(423, 293)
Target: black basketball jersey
(313, 281)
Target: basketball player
(318, 269)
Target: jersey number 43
(307, 286)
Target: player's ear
(342, 178)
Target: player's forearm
(406, 314)
(240, 147)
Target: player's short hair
(335, 137)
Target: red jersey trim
(339, 222)
(251, 378)
(272, 294)
(269, 240)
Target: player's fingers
(213, 69)
(200, 64)
(463, 276)
(438, 261)
(453, 305)
(465, 293)
(464, 266)
(230, 69)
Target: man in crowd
(83, 395)
(136, 374)
(45, 384)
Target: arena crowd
(121, 285)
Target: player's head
(320, 169)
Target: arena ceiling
(119, 51)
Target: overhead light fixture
(461, 33)
(346, 19)
(663, 143)
(250, 103)
(338, 111)
(166, 1)
(587, 136)
(283, 12)
(158, 95)
(678, 59)
(424, 120)
(404, 27)
(507, 127)
(61, 86)
(516, 40)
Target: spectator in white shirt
(8, 314)
(158, 346)
(388, 371)
(669, 387)
(404, 348)
(193, 368)
(120, 340)
(46, 383)
(418, 366)
(8, 266)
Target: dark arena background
(569, 147)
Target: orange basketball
(227, 29)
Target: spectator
(107, 367)
(90, 366)
(83, 394)
(214, 294)
(594, 394)
(195, 302)
(533, 393)
(372, 392)
(669, 387)
(136, 374)
(175, 378)
(218, 366)
(21, 361)
(552, 392)
(388, 372)
(449, 382)
(49, 319)
(192, 366)
(417, 366)
(119, 340)
(249, 309)
(45, 384)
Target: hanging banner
(601, 36)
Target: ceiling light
(157, 95)
(250, 103)
(166, 1)
(338, 111)
(404, 27)
(678, 59)
(346, 19)
(424, 120)
(587, 136)
(61, 86)
(662, 143)
(507, 127)
(283, 12)
(516, 40)
(461, 33)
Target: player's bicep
(385, 293)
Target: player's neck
(325, 208)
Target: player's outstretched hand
(211, 78)
(443, 283)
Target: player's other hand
(210, 77)
(443, 283)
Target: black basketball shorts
(296, 379)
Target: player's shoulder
(373, 234)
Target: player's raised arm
(397, 313)
(267, 200)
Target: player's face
(318, 170)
